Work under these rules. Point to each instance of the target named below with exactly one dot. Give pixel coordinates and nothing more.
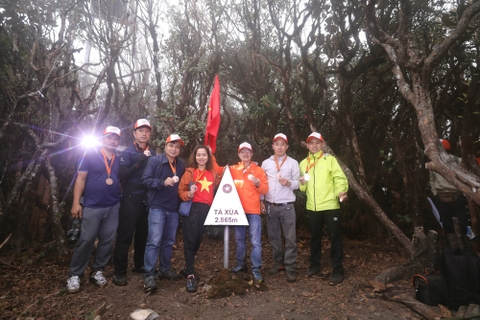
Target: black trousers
(193, 230)
(133, 218)
(459, 208)
(316, 221)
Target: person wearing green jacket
(325, 184)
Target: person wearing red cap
(98, 182)
(282, 173)
(161, 177)
(133, 216)
(325, 184)
(449, 201)
(251, 182)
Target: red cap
(445, 143)
(112, 129)
(142, 123)
(315, 135)
(245, 145)
(175, 137)
(280, 136)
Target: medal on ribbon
(174, 170)
(306, 176)
(108, 167)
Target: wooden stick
(6, 240)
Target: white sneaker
(73, 284)
(98, 278)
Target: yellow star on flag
(205, 184)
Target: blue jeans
(255, 231)
(162, 230)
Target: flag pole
(225, 247)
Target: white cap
(112, 129)
(245, 145)
(315, 135)
(175, 137)
(142, 123)
(280, 136)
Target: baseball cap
(142, 123)
(315, 135)
(445, 143)
(245, 145)
(112, 129)
(175, 137)
(280, 136)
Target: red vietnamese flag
(213, 118)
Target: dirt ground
(33, 287)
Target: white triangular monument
(226, 209)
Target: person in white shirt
(279, 205)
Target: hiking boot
(150, 284)
(257, 277)
(169, 274)
(291, 276)
(239, 268)
(276, 269)
(119, 279)
(138, 269)
(98, 278)
(191, 285)
(312, 271)
(336, 278)
(73, 284)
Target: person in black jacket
(133, 217)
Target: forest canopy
(382, 81)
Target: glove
(141, 161)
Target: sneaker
(150, 284)
(73, 284)
(276, 269)
(191, 285)
(239, 268)
(120, 279)
(98, 278)
(257, 277)
(138, 269)
(336, 278)
(169, 274)
(291, 276)
(312, 271)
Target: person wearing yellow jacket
(251, 182)
(325, 184)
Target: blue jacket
(156, 171)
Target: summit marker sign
(226, 209)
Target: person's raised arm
(263, 185)
(184, 186)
